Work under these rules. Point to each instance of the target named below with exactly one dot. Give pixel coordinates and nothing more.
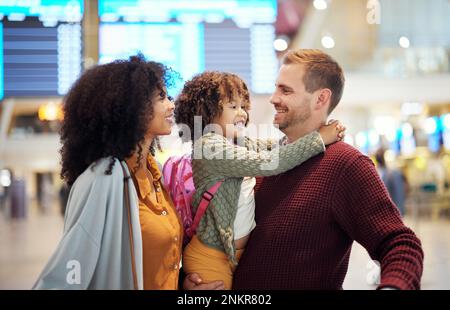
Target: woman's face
(162, 121)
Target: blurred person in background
(6, 179)
(63, 194)
(394, 180)
(14, 199)
(435, 173)
(119, 232)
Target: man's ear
(323, 99)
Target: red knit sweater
(308, 218)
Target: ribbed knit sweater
(217, 159)
(308, 218)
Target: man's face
(290, 99)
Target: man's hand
(194, 282)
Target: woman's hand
(194, 282)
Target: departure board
(41, 46)
(174, 44)
(193, 36)
(1, 64)
(48, 11)
(242, 11)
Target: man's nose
(274, 99)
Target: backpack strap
(206, 199)
(169, 175)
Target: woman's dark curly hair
(107, 112)
(205, 94)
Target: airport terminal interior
(396, 101)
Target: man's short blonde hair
(321, 71)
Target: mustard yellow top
(161, 227)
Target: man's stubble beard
(299, 118)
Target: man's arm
(363, 208)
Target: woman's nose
(171, 105)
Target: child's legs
(211, 264)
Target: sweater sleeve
(263, 144)
(363, 209)
(223, 158)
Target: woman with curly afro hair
(119, 232)
(218, 103)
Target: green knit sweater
(211, 163)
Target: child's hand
(332, 132)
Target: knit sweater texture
(308, 218)
(217, 159)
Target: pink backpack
(178, 180)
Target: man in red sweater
(308, 217)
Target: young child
(222, 100)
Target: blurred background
(396, 102)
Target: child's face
(232, 120)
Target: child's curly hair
(205, 94)
(107, 112)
